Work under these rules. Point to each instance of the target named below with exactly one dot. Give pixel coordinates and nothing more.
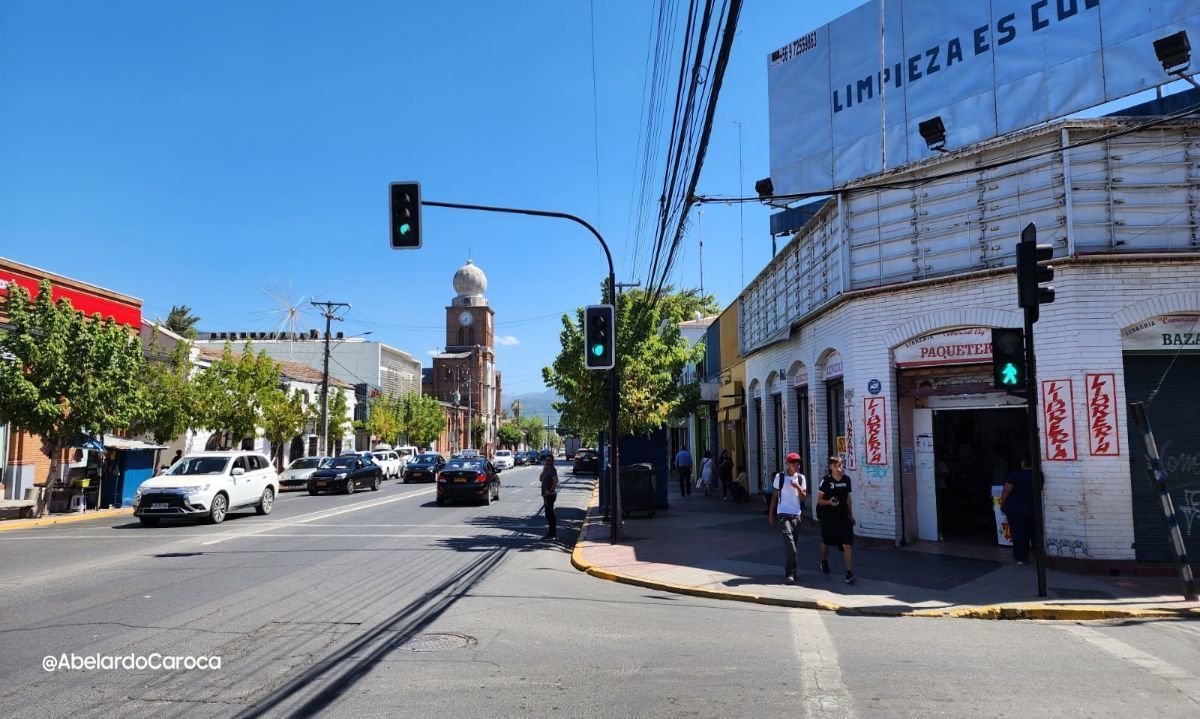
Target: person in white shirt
(790, 490)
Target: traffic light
(1030, 275)
(599, 337)
(1008, 359)
(405, 203)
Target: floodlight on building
(1175, 53)
(765, 188)
(933, 132)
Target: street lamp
(933, 132)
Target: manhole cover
(442, 642)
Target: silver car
(297, 474)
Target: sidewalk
(709, 548)
(52, 519)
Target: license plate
(160, 505)
(460, 480)
(321, 483)
(417, 474)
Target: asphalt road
(381, 604)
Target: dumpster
(637, 489)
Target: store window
(835, 404)
(802, 410)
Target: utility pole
(328, 311)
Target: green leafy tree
(231, 393)
(653, 354)
(478, 432)
(64, 375)
(339, 422)
(424, 420)
(169, 391)
(181, 321)
(509, 435)
(385, 418)
(534, 431)
(283, 416)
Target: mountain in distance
(538, 404)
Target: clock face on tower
(466, 319)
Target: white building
(868, 336)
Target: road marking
(1183, 681)
(396, 536)
(820, 676)
(314, 516)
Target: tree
(169, 392)
(283, 416)
(63, 375)
(231, 393)
(478, 432)
(338, 422)
(424, 420)
(385, 418)
(181, 321)
(533, 429)
(509, 435)
(653, 355)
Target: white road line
(1184, 682)
(395, 536)
(314, 516)
(820, 676)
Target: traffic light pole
(614, 393)
(1035, 454)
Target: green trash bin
(637, 489)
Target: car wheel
(497, 497)
(375, 485)
(349, 488)
(487, 499)
(266, 503)
(218, 510)
(149, 521)
(312, 491)
(441, 502)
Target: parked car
(407, 452)
(346, 474)
(587, 461)
(521, 459)
(423, 468)
(544, 454)
(503, 459)
(472, 478)
(389, 461)
(297, 473)
(208, 486)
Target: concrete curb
(9, 525)
(1044, 612)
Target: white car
(389, 461)
(503, 459)
(407, 454)
(297, 474)
(208, 486)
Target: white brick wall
(1087, 502)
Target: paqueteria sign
(875, 430)
(970, 345)
(1101, 393)
(1058, 420)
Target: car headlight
(194, 489)
(137, 496)
(341, 475)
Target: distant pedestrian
(725, 471)
(789, 489)
(1016, 501)
(683, 467)
(836, 513)
(708, 473)
(549, 494)
(741, 491)
(178, 456)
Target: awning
(84, 441)
(121, 444)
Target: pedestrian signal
(1008, 359)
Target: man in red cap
(790, 490)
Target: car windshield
(304, 463)
(466, 464)
(339, 462)
(503, 453)
(199, 465)
(427, 459)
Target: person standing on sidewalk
(683, 467)
(725, 470)
(836, 514)
(549, 494)
(1017, 504)
(790, 490)
(708, 473)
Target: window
(835, 408)
(240, 462)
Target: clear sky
(215, 153)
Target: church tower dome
(469, 284)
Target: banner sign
(1058, 420)
(1166, 333)
(875, 430)
(851, 458)
(800, 379)
(1101, 393)
(845, 100)
(966, 346)
(833, 366)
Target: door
(240, 486)
(927, 513)
(263, 471)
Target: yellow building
(731, 405)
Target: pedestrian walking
(683, 467)
(725, 471)
(836, 514)
(741, 486)
(549, 479)
(789, 490)
(708, 473)
(1016, 501)
(178, 456)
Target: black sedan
(587, 461)
(346, 474)
(474, 479)
(424, 468)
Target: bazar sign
(970, 345)
(1166, 333)
(1058, 420)
(1101, 393)
(846, 99)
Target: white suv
(503, 459)
(389, 461)
(208, 485)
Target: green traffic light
(1009, 374)
(598, 349)
(405, 228)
